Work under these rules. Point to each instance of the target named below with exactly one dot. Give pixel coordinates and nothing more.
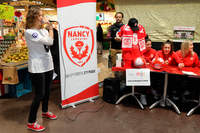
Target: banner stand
(77, 49)
(73, 105)
(91, 99)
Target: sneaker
(175, 98)
(49, 115)
(186, 92)
(35, 127)
(143, 100)
(155, 94)
(166, 103)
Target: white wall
(160, 16)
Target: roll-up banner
(78, 59)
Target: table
(165, 70)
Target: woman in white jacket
(40, 64)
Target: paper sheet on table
(188, 73)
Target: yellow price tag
(6, 12)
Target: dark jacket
(113, 30)
(55, 52)
(99, 33)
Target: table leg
(141, 106)
(122, 97)
(164, 97)
(174, 105)
(130, 94)
(155, 104)
(193, 109)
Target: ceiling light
(20, 9)
(48, 9)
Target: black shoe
(143, 100)
(175, 98)
(168, 103)
(155, 94)
(186, 93)
(156, 97)
(162, 104)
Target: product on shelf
(4, 45)
(15, 54)
(12, 46)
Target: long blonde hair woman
(188, 57)
(187, 48)
(32, 16)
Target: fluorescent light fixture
(48, 9)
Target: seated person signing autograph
(149, 52)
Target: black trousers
(41, 85)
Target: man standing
(99, 39)
(115, 45)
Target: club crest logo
(78, 44)
(34, 35)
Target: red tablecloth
(169, 69)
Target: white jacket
(39, 60)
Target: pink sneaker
(49, 115)
(35, 127)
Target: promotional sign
(78, 59)
(138, 77)
(6, 12)
(184, 32)
(127, 42)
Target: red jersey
(132, 42)
(189, 60)
(149, 55)
(173, 58)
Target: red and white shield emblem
(78, 44)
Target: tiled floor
(98, 117)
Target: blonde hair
(185, 48)
(31, 16)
